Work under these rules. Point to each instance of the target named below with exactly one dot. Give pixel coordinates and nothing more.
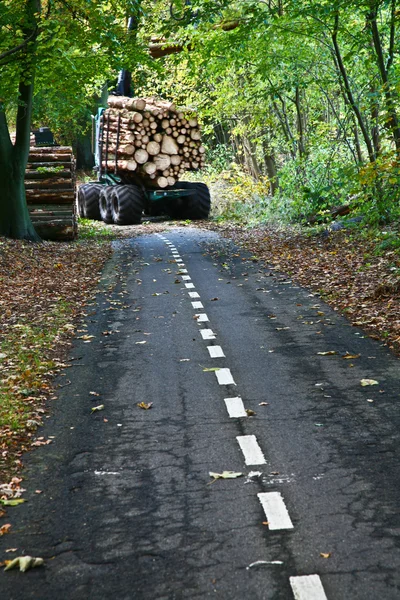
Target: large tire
(88, 200)
(127, 204)
(105, 203)
(195, 206)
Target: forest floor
(46, 289)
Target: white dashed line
(179, 260)
(189, 285)
(275, 510)
(197, 305)
(307, 587)
(182, 270)
(186, 277)
(235, 407)
(207, 334)
(194, 295)
(252, 452)
(214, 351)
(201, 318)
(224, 377)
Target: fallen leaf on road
(96, 408)
(184, 359)
(263, 404)
(281, 328)
(250, 413)
(11, 549)
(24, 563)
(213, 299)
(144, 405)
(325, 554)
(5, 529)
(265, 522)
(94, 393)
(211, 369)
(328, 353)
(351, 356)
(225, 475)
(85, 337)
(144, 342)
(365, 382)
(14, 502)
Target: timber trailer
(121, 196)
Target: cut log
(141, 156)
(175, 159)
(171, 180)
(195, 134)
(169, 145)
(162, 161)
(162, 182)
(153, 148)
(157, 137)
(149, 168)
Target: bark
(15, 221)
(349, 93)
(392, 117)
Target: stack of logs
(149, 138)
(50, 191)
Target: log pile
(50, 191)
(151, 139)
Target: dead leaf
(265, 522)
(11, 549)
(144, 342)
(211, 369)
(250, 413)
(325, 554)
(144, 405)
(24, 563)
(13, 502)
(213, 299)
(365, 382)
(96, 408)
(225, 475)
(263, 404)
(94, 394)
(328, 353)
(5, 529)
(351, 356)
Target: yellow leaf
(365, 382)
(329, 353)
(144, 405)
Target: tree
(65, 50)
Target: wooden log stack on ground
(50, 192)
(150, 139)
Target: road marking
(178, 260)
(252, 452)
(207, 334)
(197, 305)
(189, 285)
(224, 377)
(194, 295)
(235, 407)
(182, 270)
(214, 351)
(201, 318)
(186, 277)
(307, 587)
(275, 510)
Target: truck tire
(127, 204)
(88, 200)
(105, 203)
(195, 206)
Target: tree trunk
(15, 221)
(354, 106)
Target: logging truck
(142, 147)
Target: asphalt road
(128, 509)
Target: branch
(20, 46)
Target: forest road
(128, 510)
